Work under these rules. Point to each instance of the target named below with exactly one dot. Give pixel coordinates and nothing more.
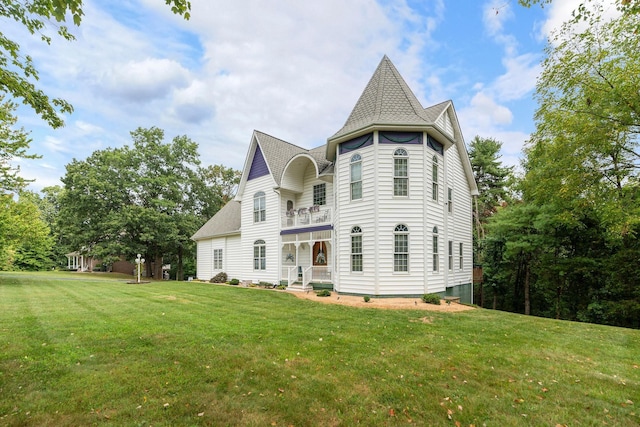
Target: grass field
(90, 350)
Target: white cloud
(143, 81)
(519, 78)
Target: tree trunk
(157, 268)
(558, 302)
(180, 272)
(527, 275)
(147, 266)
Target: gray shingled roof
(226, 221)
(277, 154)
(387, 100)
(432, 113)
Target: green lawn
(89, 350)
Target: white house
(384, 208)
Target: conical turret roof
(386, 100)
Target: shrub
(324, 293)
(431, 299)
(366, 298)
(282, 287)
(234, 282)
(265, 285)
(219, 278)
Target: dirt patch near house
(383, 303)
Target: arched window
(434, 178)
(436, 256)
(356, 249)
(401, 173)
(259, 207)
(401, 248)
(356, 177)
(259, 255)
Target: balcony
(306, 217)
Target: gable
(258, 166)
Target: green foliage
(234, 282)
(13, 144)
(431, 299)
(219, 278)
(324, 293)
(366, 298)
(146, 199)
(494, 182)
(569, 248)
(25, 243)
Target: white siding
(267, 230)
(232, 257)
(434, 217)
(356, 212)
(400, 210)
(460, 220)
(204, 262)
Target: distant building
(383, 208)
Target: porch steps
(298, 287)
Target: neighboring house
(79, 262)
(384, 208)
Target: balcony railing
(315, 215)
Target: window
(259, 255)
(436, 262)
(434, 179)
(356, 249)
(400, 173)
(450, 200)
(450, 255)
(401, 248)
(259, 207)
(217, 259)
(356, 177)
(320, 194)
(460, 258)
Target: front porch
(306, 258)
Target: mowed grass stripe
(169, 353)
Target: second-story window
(400, 173)
(434, 179)
(320, 194)
(259, 207)
(356, 177)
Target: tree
(25, 243)
(13, 143)
(148, 199)
(493, 179)
(585, 150)
(494, 182)
(567, 247)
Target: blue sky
(291, 69)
